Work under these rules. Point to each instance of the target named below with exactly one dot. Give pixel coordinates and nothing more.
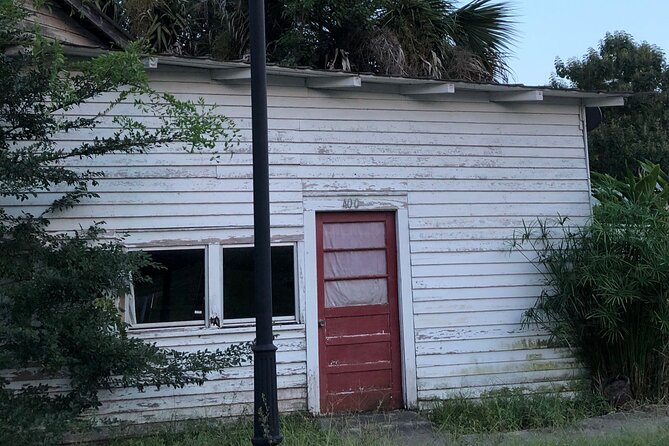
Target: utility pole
(266, 407)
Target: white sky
(567, 28)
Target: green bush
(58, 316)
(607, 283)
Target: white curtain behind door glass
(354, 264)
(354, 235)
(345, 293)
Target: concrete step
(400, 426)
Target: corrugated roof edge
(609, 98)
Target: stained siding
(472, 171)
(226, 394)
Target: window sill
(156, 325)
(230, 327)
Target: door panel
(359, 346)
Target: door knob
(321, 322)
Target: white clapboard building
(393, 201)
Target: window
(238, 284)
(176, 290)
(186, 288)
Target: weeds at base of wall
(508, 410)
(298, 429)
(498, 411)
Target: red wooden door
(358, 315)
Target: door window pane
(238, 282)
(346, 293)
(354, 264)
(354, 235)
(175, 291)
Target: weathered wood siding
(56, 24)
(224, 395)
(471, 171)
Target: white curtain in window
(346, 293)
(354, 264)
(128, 306)
(354, 235)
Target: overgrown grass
(298, 430)
(302, 430)
(658, 437)
(508, 410)
(499, 411)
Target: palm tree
(442, 41)
(417, 38)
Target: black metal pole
(266, 408)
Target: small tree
(639, 129)
(58, 290)
(606, 290)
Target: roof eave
(409, 86)
(91, 17)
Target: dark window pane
(283, 281)
(238, 284)
(176, 291)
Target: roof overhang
(93, 19)
(416, 87)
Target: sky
(568, 28)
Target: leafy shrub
(607, 283)
(58, 316)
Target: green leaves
(441, 41)
(58, 313)
(619, 64)
(42, 91)
(648, 187)
(486, 29)
(403, 37)
(639, 129)
(607, 283)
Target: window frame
(275, 319)
(213, 265)
(205, 317)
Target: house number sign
(350, 203)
